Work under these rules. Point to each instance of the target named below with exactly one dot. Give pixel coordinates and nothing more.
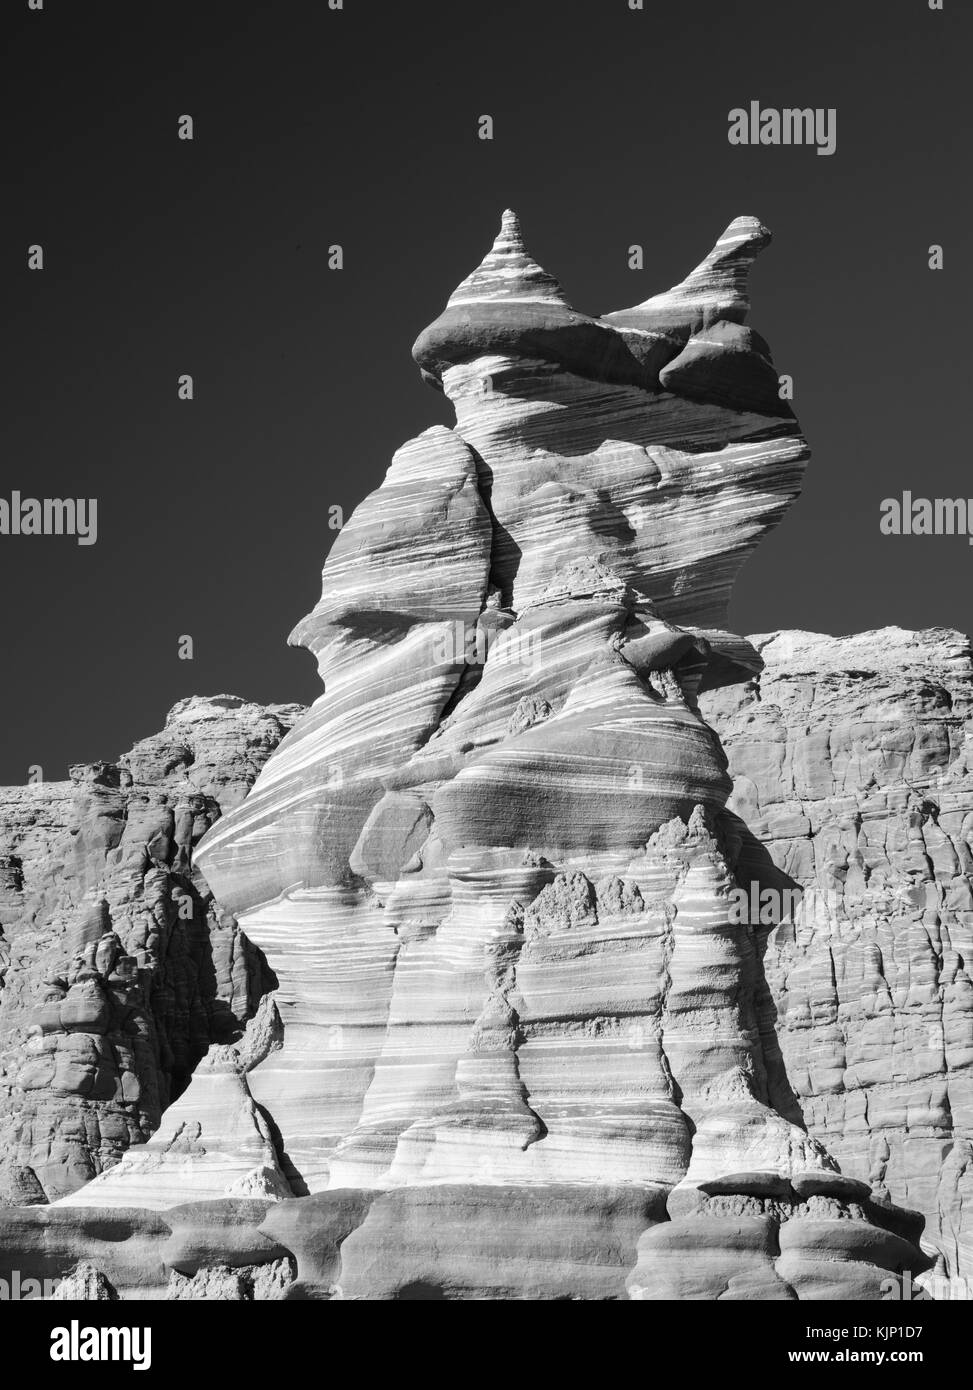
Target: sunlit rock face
(525, 1046)
(852, 760)
(585, 447)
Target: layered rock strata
(852, 761)
(503, 729)
(491, 869)
(528, 1046)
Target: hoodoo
(523, 1041)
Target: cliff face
(117, 968)
(531, 1045)
(852, 761)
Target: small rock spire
(723, 274)
(508, 272)
(716, 289)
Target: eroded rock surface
(529, 1049)
(118, 968)
(512, 635)
(852, 760)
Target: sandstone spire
(508, 273)
(527, 1045)
(716, 289)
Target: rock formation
(522, 1043)
(117, 968)
(450, 861)
(852, 761)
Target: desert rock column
(491, 868)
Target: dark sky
(359, 127)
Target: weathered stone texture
(118, 968)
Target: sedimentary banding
(491, 867)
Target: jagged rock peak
(508, 272)
(86, 1283)
(197, 709)
(716, 289)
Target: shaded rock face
(852, 761)
(117, 968)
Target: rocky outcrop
(582, 447)
(528, 1045)
(118, 968)
(852, 760)
(504, 730)
(491, 868)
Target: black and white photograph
(487, 741)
